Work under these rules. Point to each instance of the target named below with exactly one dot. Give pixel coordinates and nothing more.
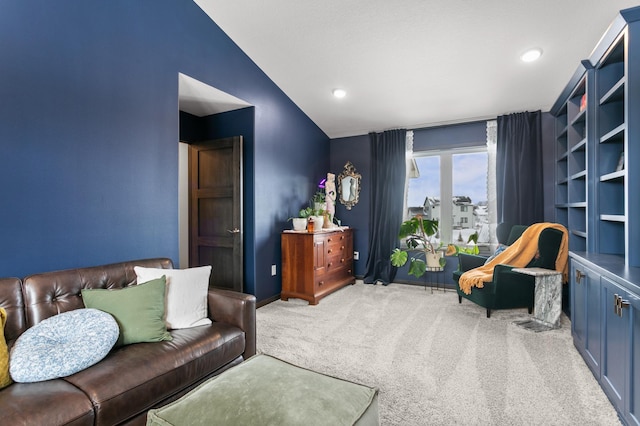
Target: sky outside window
(428, 184)
(469, 178)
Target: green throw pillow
(138, 310)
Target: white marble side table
(548, 299)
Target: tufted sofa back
(51, 293)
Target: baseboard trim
(267, 301)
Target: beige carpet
(437, 362)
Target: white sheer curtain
(492, 207)
(410, 172)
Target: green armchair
(509, 289)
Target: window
(456, 175)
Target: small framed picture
(620, 162)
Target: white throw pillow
(186, 294)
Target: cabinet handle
(579, 276)
(619, 304)
(330, 250)
(329, 240)
(329, 264)
(341, 248)
(342, 260)
(321, 283)
(342, 237)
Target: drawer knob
(330, 251)
(342, 260)
(321, 283)
(329, 264)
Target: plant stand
(439, 273)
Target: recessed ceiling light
(531, 55)
(339, 93)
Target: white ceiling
(414, 63)
(200, 99)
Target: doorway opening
(207, 113)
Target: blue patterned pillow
(499, 249)
(62, 345)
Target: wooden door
(215, 210)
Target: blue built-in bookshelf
(612, 220)
(598, 200)
(598, 147)
(571, 165)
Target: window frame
(445, 227)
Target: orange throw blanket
(518, 255)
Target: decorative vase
(327, 222)
(299, 223)
(433, 259)
(318, 221)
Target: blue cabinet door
(633, 409)
(586, 314)
(616, 340)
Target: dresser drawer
(337, 239)
(339, 245)
(333, 279)
(337, 262)
(336, 250)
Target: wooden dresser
(316, 264)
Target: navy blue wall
(89, 128)
(357, 150)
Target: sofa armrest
(470, 261)
(238, 309)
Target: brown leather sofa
(132, 379)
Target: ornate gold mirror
(349, 186)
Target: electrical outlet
(356, 255)
(273, 270)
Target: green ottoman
(267, 391)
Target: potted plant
(318, 218)
(319, 200)
(470, 248)
(418, 232)
(300, 222)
